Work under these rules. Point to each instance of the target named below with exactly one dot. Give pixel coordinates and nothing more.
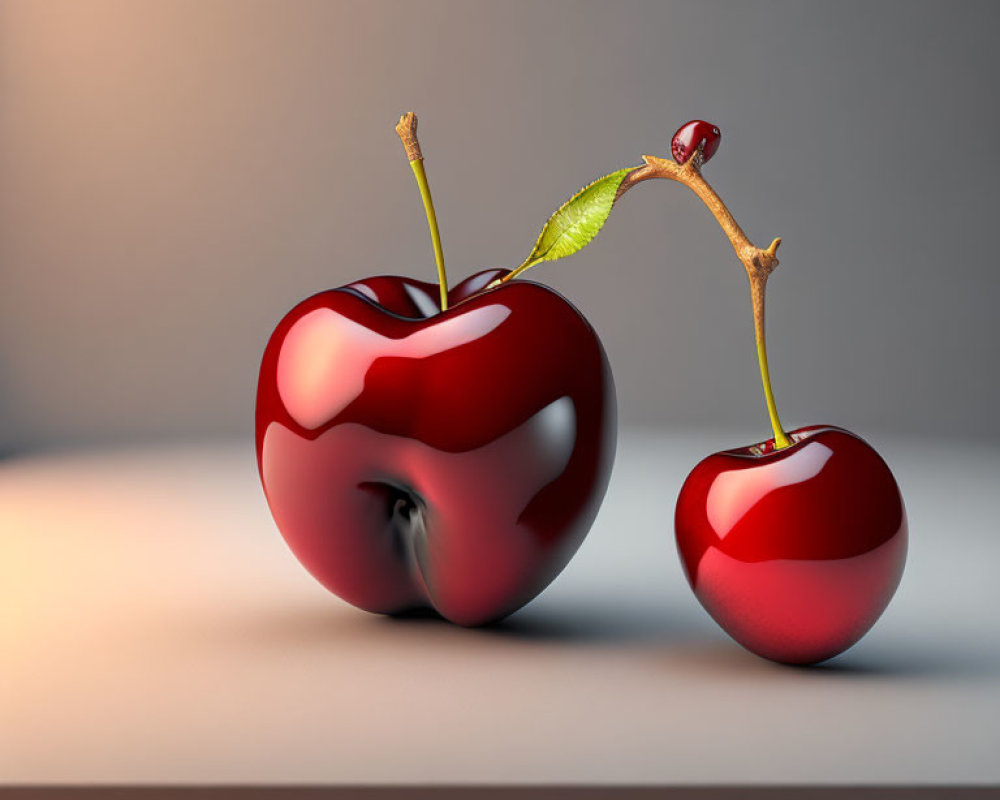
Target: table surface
(154, 628)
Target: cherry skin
(684, 143)
(419, 459)
(794, 552)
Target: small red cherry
(690, 135)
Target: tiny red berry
(690, 135)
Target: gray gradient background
(175, 175)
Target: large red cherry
(454, 460)
(796, 551)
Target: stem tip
(406, 128)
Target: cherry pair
(422, 446)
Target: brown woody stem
(758, 263)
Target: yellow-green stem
(406, 128)
(425, 195)
(757, 285)
(515, 272)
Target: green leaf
(577, 221)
